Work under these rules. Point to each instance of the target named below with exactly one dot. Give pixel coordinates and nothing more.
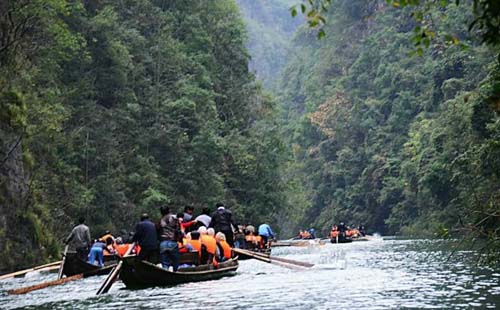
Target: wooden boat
(73, 266)
(341, 240)
(266, 252)
(139, 274)
(306, 242)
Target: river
(380, 274)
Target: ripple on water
(390, 274)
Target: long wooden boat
(341, 240)
(140, 274)
(305, 242)
(266, 252)
(73, 266)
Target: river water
(379, 274)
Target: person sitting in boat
(342, 232)
(209, 246)
(239, 237)
(312, 231)
(195, 242)
(213, 241)
(265, 232)
(306, 235)
(80, 239)
(184, 245)
(169, 235)
(334, 232)
(361, 229)
(224, 247)
(146, 236)
(250, 240)
(97, 253)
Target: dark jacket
(169, 228)
(145, 235)
(222, 220)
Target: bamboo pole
(61, 267)
(110, 279)
(27, 289)
(21, 272)
(268, 260)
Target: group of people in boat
(343, 232)
(211, 235)
(247, 237)
(306, 234)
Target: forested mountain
(112, 108)
(400, 143)
(270, 31)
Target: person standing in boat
(222, 221)
(204, 218)
(188, 213)
(145, 235)
(169, 235)
(97, 253)
(80, 239)
(265, 232)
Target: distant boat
(140, 274)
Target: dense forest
(109, 109)
(392, 129)
(112, 108)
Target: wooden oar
(21, 272)
(110, 279)
(61, 267)
(286, 260)
(268, 260)
(27, 289)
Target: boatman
(80, 239)
(265, 232)
(145, 235)
(222, 220)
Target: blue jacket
(265, 230)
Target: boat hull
(137, 274)
(73, 266)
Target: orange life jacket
(226, 248)
(196, 244)
(121, 249)
(210, 243)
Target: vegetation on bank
(111, 108)
(404, 145)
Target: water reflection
(391, 274)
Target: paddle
(60, 274)
(21, 272)
(113, 274)
(268, 260)
(27, 289)
(287, 260)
